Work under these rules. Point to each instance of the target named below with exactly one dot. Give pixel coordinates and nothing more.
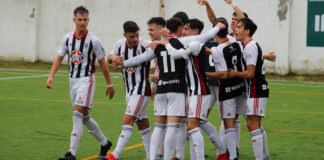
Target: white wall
(31, 36)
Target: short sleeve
(63, 50)
(219, 60)
(250, 54)
(98, 49)
(116, 47)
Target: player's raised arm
(237, 10)
(210, 13)
(56, 65)
(134, 61)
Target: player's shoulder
(68, 35)
(121, 41)
(93, 37)
(144, 42)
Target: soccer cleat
(111, 157)
(175, 158)
(206, 155)
(224, 156)
(103, 150)
(237, 152)
(67, 156)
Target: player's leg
(160, 111)
(254, 112)
(181, 139)
(134, 104)
(228, 113)
(176, 110)
(240, 110)
(145, 130)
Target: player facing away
(82, 48)
(170, 99)
(198, 89)
(228, 54)
(137, 88)
(258, 89)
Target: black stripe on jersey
(125, 71)
(81, 50)
(89, 60)
(194, 74)
(133, 74)
(189, 83)
(119, 49)
(67, 46)
(72, 64)
(140, 87)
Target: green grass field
(35, 122)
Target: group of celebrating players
(193, 71)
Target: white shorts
(82, 91)
(170, 104)
(213, 96)
(136, 106)
(198, 106)
(229, 108)
(256, 106)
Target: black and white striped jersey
(211, 66)
(136, 78)
(258, 86)
(172, 71)
(82, 53)
(227, 55)
(196, 78)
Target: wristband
(109, 85)
(233, 4)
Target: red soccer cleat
(224, 156)
(175, 158)
(111, 157)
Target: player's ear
(124, 34)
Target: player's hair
(248, 25)
(80, 10)
(182, 16)
(223, 32)
(173, 24)
(195, 24)
(157, 20)
(245, 15)
(130, 26)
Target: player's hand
(165, 33)
(152, 45)
(220, 25)
(49, 83)
(153, 93)
(228, 1)
(110, 91)
(208, 51)
(270, 56)
(164, 41)
(202, 2)
(231, 73)
(155, 78)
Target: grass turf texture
(36, 122)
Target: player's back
(232, 87)
(172, 72)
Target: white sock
(160, 151)
(237, 127)
(265, 144)
(257, 143)
(146, 137)
(181, 141)
(222, 132)
(156, 139)
(76, 132)
(170, 140)
(123, 140)
(230, 141)
(211, 131)
(192, 150)
(198, 143)
(94, 129)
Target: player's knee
(128, 120)
(77, 114)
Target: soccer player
(137, 88)
(258, 89)
(82, 47)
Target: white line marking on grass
(44, 75)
